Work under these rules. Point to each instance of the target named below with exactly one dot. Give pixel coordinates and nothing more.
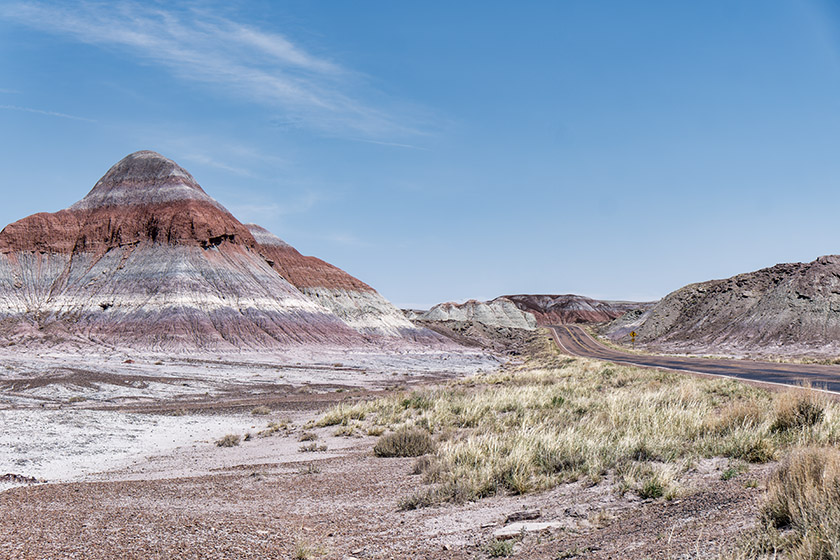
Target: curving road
(575, 341)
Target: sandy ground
(134, 472)
(269, 499)
(65, 416)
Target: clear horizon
(451, 152)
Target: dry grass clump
(261, 411)
(530, 428)
(230, 440)
(406, 442)
(798, 409)
(345, 431)
(341, 414)
(275, 427)
(736, 415)
(312, 448)
(305, 550)
(800, 517)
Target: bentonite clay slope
(356, 303)
(784, 309)
(148, 259)
(499, 312)
(143, 198)
(570, 308)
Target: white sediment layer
(367, 312)
(265, 237)
(162, 296)
(67, 444)
(497, 313)
(159, 277)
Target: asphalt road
(575, 341)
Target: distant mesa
(148, 259)
(527, 311)
(784, 309)
(571, 308)
(498, 313)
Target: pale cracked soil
(265, 499)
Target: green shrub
(499, 549)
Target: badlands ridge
(148, 260)
(786, 309)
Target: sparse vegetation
(733, 470)
(306, 551)
(406, 442)
(800, 517)
(499, 548)
(309, 469)
(274, 427)
(308, 436)
(76, 398)
(345, 431)
(376, 431)
(797, 410)
(557, 419)
(261, 411)
(312, 447)
(341, 414)
(230, 440)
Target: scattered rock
(514, 530)
(19, 479)
(577, 511)
(524, 515)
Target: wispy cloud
(394, 144)
(297, 205)
(346, 239)
(204, 159)
(246, 62)
(213, 151)
(9, 91)
(42, 112)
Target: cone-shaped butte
(148, 259)
(145, 198)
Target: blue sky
(452, 150)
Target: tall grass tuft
(796, 409)
(407, 442)
(801, 512)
